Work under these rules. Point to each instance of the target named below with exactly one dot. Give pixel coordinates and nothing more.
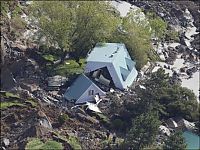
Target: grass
(102, 118)
(50, 57)
(10, 103)
(69, 67)
(32, 102)
(11, 95)
(73, 141)
(14, 100)
(36, 143)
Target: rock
(87, 118)
(45, 123)
(6, 142)
(44, 120)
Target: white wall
(86, 97)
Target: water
(192, 140)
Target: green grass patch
(32, 102)
(10, 103)
(68, 68)
(11, 95)
(50, 57)
(73, 141)
(36, 143)
(102, 118)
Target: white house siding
(114, 76)
(85, 97)
(130, 78)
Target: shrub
(62, 118)
(118, 124)
(36, 143)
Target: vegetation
(10, 6)
(36, 143)
(50, 57)
(63, 118)
(76, 30)
(68, 68)
(168, 99)
(158, 25)
(32, 102)
(175, 141)
(136, 36)
(10, 103)
(74, 143)
(11, 95)
(143, 131)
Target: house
(111, 65)
(83, 90)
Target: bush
(36, 143)
(74, 143)
(118, 124)
(63, 118)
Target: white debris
(164, 130)
(142, 87)
(93, 107)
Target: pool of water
(192, 140)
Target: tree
(75, 26)
(168, 99)
(175, 141)
(158, 25)
(135, 34)
(143, 132)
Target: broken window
(91, 92)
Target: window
(128, 68)
(91, 92)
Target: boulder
(6, 142)
(87, 118)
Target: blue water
(192, 140)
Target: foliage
(135, 31)
(158, 25)
(50, 57)
(63, 118)
(18, 23)
(143, 131)
(32, 102)
(50, 144)
(172, 35)
(36, 143)
(10, 6)
(69, 68)
(175, 141)
(11, 95)
(168, 99)
(79, 28)
(74, 143)
(118, 124)
(102, 118)
(9, 104)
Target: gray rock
(6, 141)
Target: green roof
(79, 86)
